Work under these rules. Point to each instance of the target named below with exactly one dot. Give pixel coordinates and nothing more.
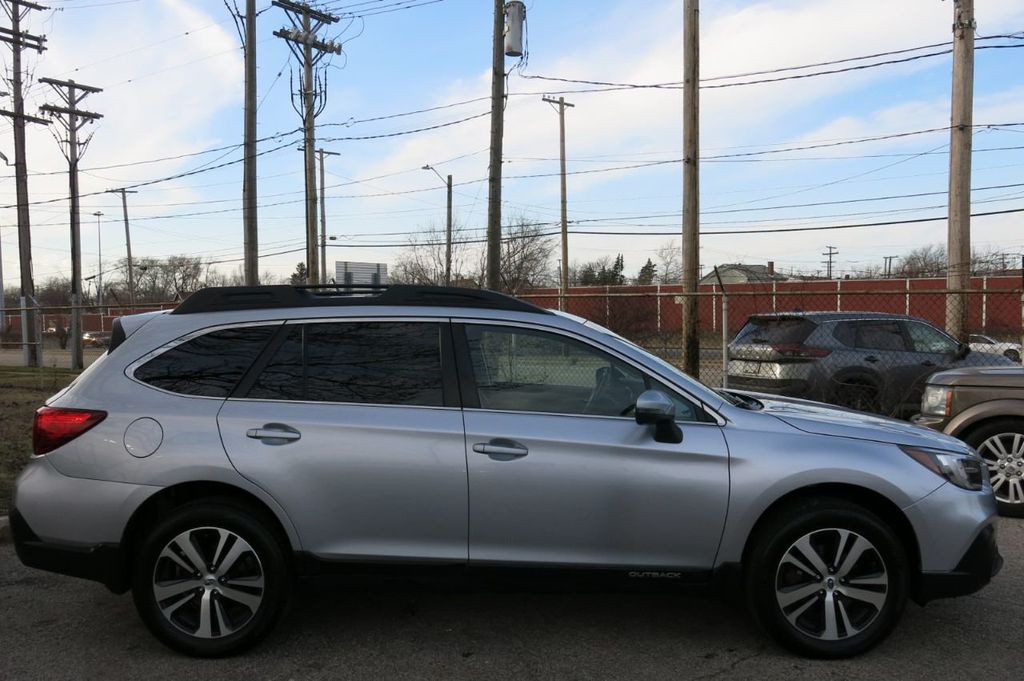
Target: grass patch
(22, 391)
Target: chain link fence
(865, 344)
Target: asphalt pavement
(53, 627)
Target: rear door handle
(501, 449)
(871, 358)
(928, 363)
(274, 434)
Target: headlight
(936, 400)
(963, 470)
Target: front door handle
(274, 434)
(928, 363)
(501, 449)
(871, 358)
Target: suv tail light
(800, 350)
(54, 427)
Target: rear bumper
(104, 563)
(976, 569)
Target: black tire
(860, 394)
(1012, 470)
(1012, 355)
(230, 626)
(770, 576)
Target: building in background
(360, 273)
(736, 273)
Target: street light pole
(448, 228)
(99, 273)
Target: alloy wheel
(1004, 455)
(831, 584)
(208, 582)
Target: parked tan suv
(984, 407)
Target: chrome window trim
(374, 405)
(719, 420)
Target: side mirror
(962, 350)
(654, 407)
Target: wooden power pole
(16, 11)
(73, 119)
(691, 187)
(309, 49)
(564, 279)
(958, 249)
(497, 133)
(251, 268)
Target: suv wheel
(827, 578)
(1001, 444)
(857, 393)
(210, 579)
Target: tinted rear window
(356, 362)
(209, 365)
(775, 330)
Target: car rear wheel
(1012, 355)
(1001, 444)
(210, 579)
(827, 578)
(857, 393)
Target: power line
(677, 85)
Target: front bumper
(104, 563)
(934, 422)
(978, 566)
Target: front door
(560, 473)
(353, 427)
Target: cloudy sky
(171, 73)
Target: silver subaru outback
(252, 436)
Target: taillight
(800, 350)
(54, 427)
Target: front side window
(209, 365)
(526, 370)
(926, 338)
(356, 362)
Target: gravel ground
(61, 628)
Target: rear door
(560, 473)
(354, 427)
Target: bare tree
(422, 262)
(525, 256)
(669, 263)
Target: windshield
(704, 392)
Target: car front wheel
(210, 579)
(1001, 444)
(827, 578)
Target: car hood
(826, 419)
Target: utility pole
(251, 266)
(564, 288)
(888, 265)
(830, 254)
(958, 249)
(127, 241)
(73, 119)
(497, 133)
(303, 40)
(691, 186)
(448, 227)
(16, 11)
(323, 215)
(99, 269)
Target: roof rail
(228, 298)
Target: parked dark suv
(869, 361)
